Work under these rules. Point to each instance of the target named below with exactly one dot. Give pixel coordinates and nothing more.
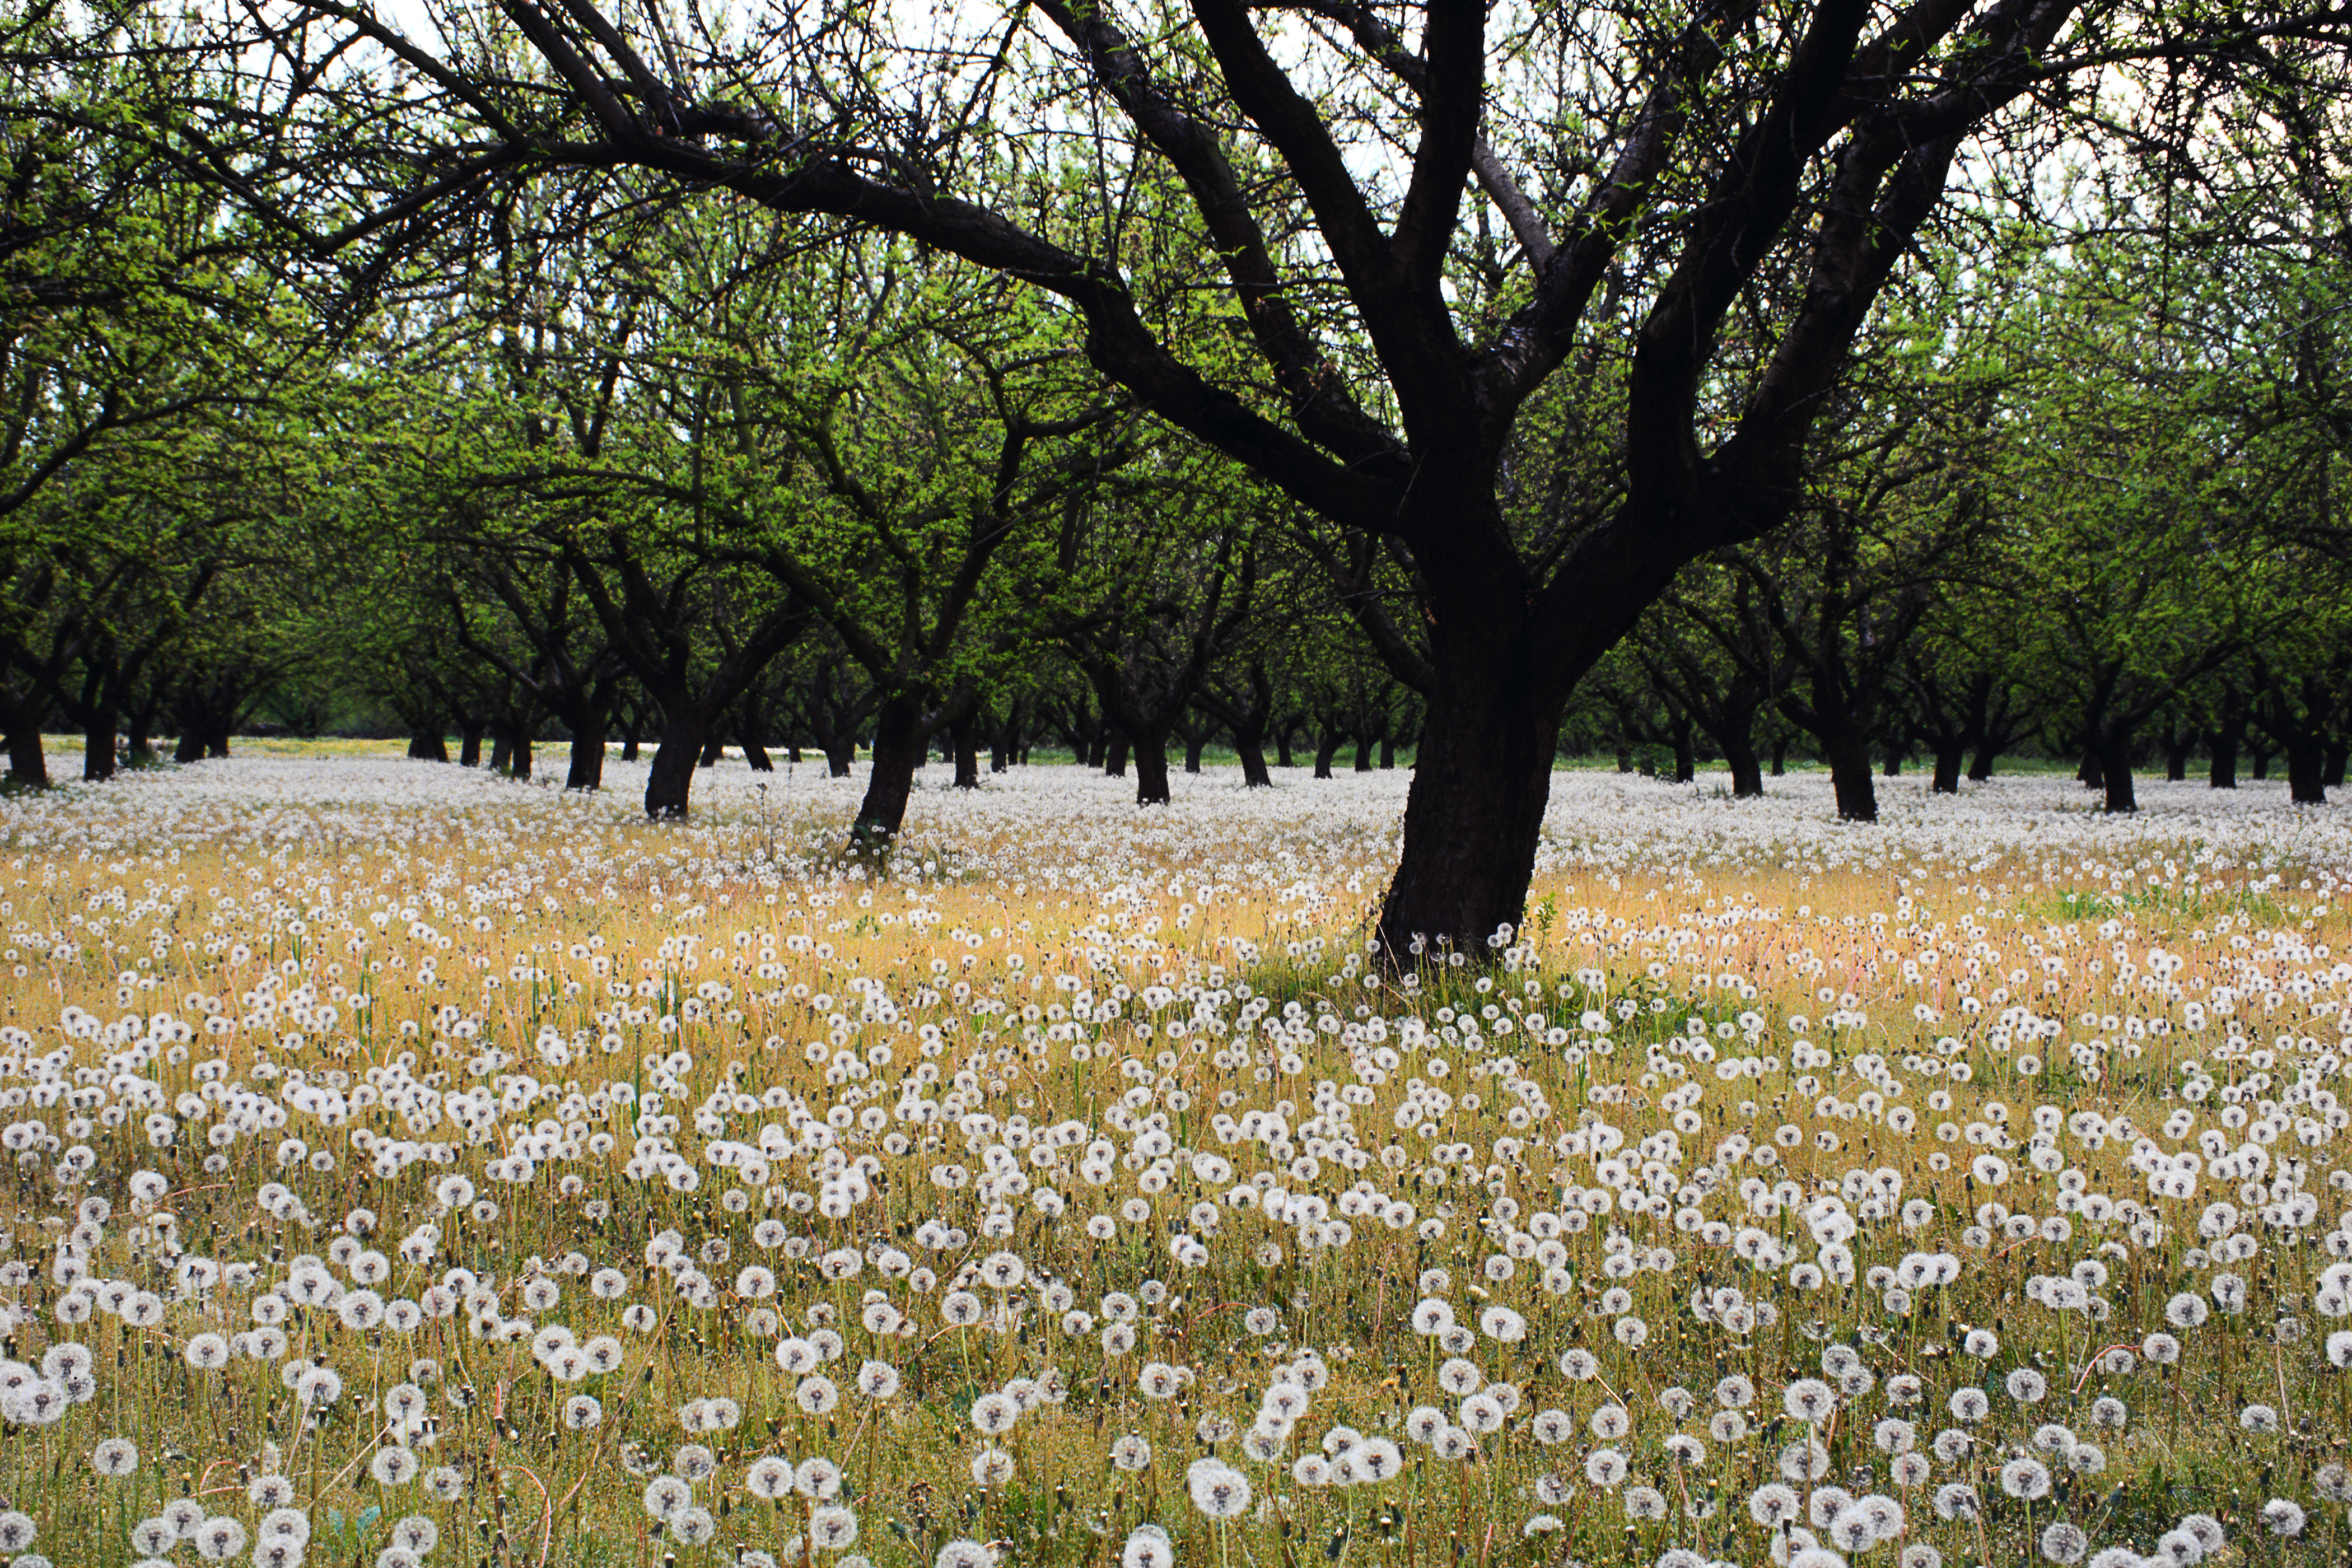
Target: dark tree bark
(653, 632)
(428, 745)
(2177, 740)
(964, 730)
(1115, 749)
(1246, 708)
(470, 743)
(1327, 747)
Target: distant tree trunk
(965, 733)
(1685, 753)
(840, 750)
(669, 783)
(1388, 749)
(426, 744)
(2333, 777)
(190, 748)
(501, 750)
(217, 742)
(1194, 739)
(1780, 756)
(2225, 739)
(1326, 748)
(1363, 750)
(1005, 739)
(469, 743)
(1894, 762)
(1624, 758)
(2112, 756)
(2261, 754)
(520, 759)
(1980, 766)
(1114, 757)
(631, 725)
(2092, 772)
(2177, 739)
(1282, 734)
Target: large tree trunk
(899, 744)
(216, 742)
(518, 759)
(1474, 811)
(2092, 771)
(587, 769)
(669, 783)
(470, 744)
(1849, 778)
(2332, 776)
(426, 744)
(839, 752)
(1686, 754)
(190, 748)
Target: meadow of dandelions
(412, 1167)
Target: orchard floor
(409, 1165)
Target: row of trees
(1876, 382)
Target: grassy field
(412, 1166)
